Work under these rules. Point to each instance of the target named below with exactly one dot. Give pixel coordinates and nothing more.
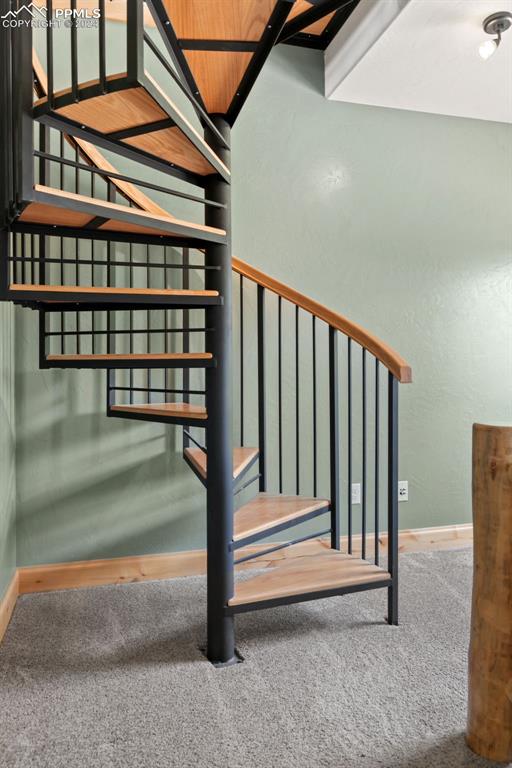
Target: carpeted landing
(112, 677)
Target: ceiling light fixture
(495, 24)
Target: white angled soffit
(360, 32)
(422, 55)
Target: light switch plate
(356, 493)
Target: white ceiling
(422, 55)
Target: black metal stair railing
(55, 260)
(84, 331)
(327, 418)
(96, 259)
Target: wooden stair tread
(236, 20)
(242, 457)
(218, 73)
(64, 289)
(51, 207)
(307, 574)
(129, 107)
(91, 153)
(179, 410)
(266, 511)
(145, 356)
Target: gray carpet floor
(112, 677)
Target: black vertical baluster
(363, 443)
(43, 179)
(23, 259)
(377, 468)
(393, 498)
(61, 180)
(297, 404)
(349, 442)
(111, 199)
(77, 252)
(130, 320)
(148, 324)
(186, 335)
(280, 387)
(61, 166)
(7, 267)
(166, 330)
(334, 438)
(102, 46)
(261, 388)
(32, 258)
(162, 347)
(315, 446)
(74, 53)
(42, 338)
(93, 314)
(134, 39)
(62, 314)
(241, 285)
(15, 265)
(49, 52)
(111, 388)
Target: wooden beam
(489, 730)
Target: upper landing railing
(138, 45)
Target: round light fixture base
(497, 23)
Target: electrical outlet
(403, 490)
(356, 493)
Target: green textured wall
(7, 448)
(400, 221)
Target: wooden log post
(489, 728)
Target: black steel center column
(219, 489)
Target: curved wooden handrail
(384, 353)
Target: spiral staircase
(88, 248)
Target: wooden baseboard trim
(125, 570)
(119, 570)
(8, 603)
